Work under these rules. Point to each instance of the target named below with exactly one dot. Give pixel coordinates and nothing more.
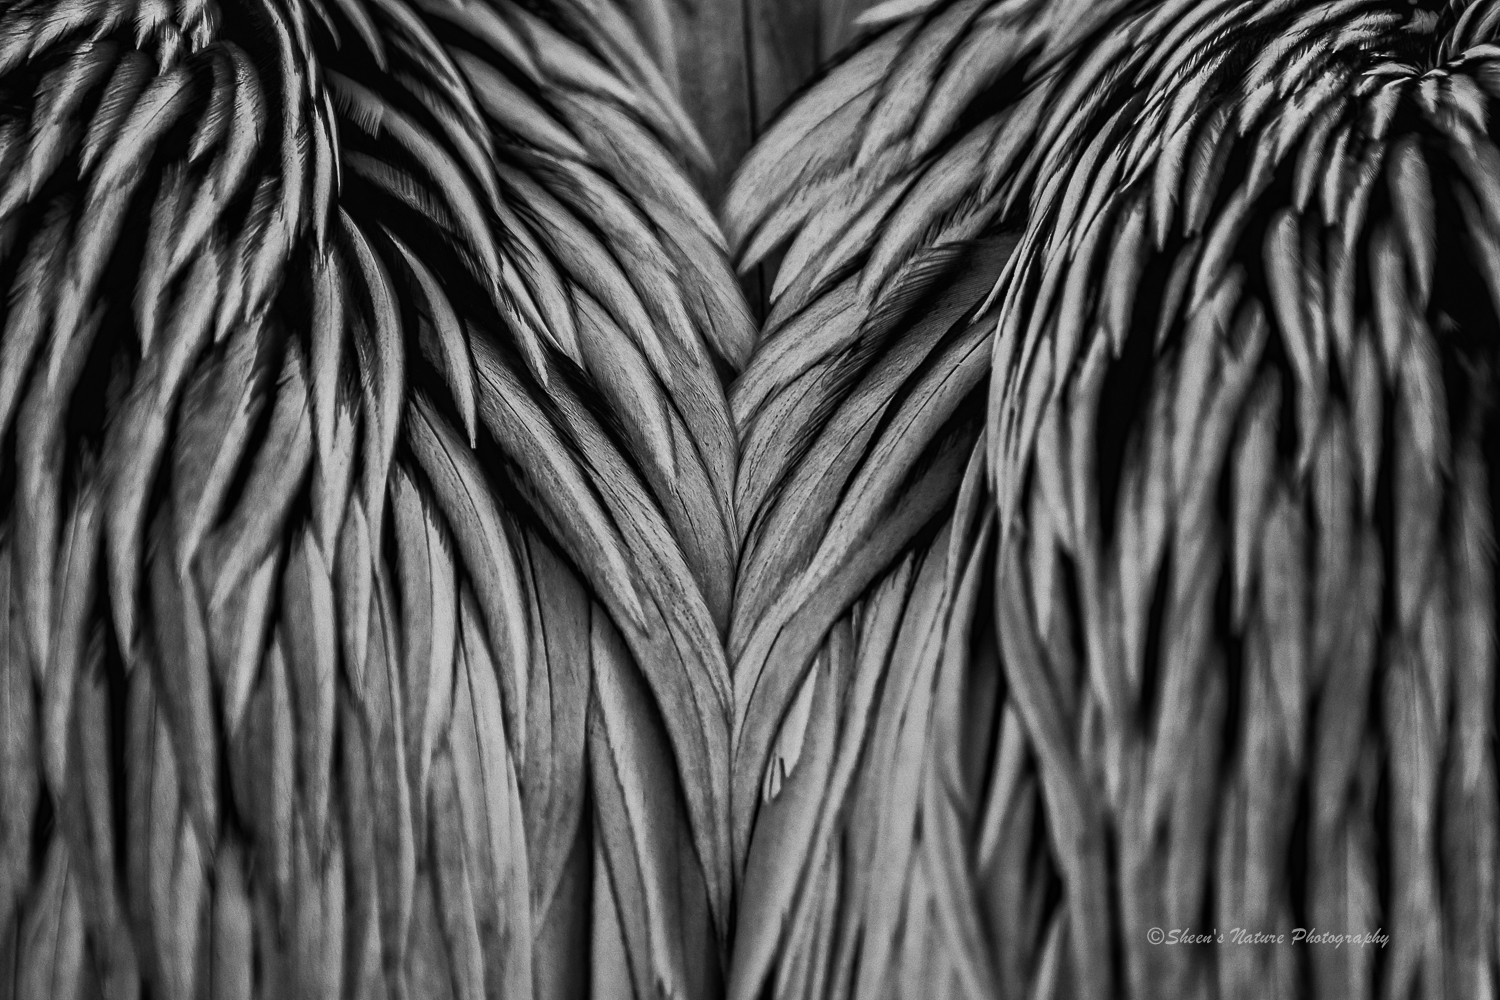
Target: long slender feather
(484, 540)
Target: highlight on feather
(362, 387)
(1161, 610)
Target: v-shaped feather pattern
(418, 577)
(365, 436)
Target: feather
(60, 94)
(789, 294)
(409, 191)
(372, 114)
(889, 801)
(589, 264)
(555, 770)
(87, 815)
(630, 156)
(238, 635)
(788, 352)
(770, 169)
(40, 440)
(825, 172)
(1167, 180)
(483, 23)
(51, 935)
(219, 410)
(464, 129)
(215, 121)
(1393, 309)
(416, 40)
(166, 219)
(1366, 409)
(762, 695)
(333, 480)
(1310, 155)
(1215, 264)
(635, 814)
(326, 168)
(525, 431)
(913, 76)
(784, 830)
(20, 764)
(1211, 150)
(181, 648)
(383, 371)
(137, 438)
(153, 817)
(623, 375)
(73, 606)
(490, 806)
(120, 93)
(364, 26)
(680, 628)
(562, 61)
(232, 948)
(232, 165)
(364, 975)
(483, 539)
(1412, 206)
(429, 601)
(1016, 133)
(650, 268)
(328, 935)
(808, 497)
(1422, 388)
(30, 307)
(891, 11)
(986, 52)
(1122, 274)
(455, 884)
(545, 284)
(390, 812)
(943, 186)
(1471, 783)
(1284, 600)
(37, 31)
(1253, 476)
(235, 300)
(456, 365)
(1289, 298)
(516, 112)
(309, 636)
(648, 72)
(327, 336)
(354, 586)
(163, 101)
(275, 477)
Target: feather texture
(362, 365)
(1210, 440)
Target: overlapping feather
(1229, 362)
(332, 331)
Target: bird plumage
(1140, 575)
(367, 530)
(1099, 537)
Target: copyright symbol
(1155, 936)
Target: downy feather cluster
(366, 529)
(1118, 490)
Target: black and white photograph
(749, 499)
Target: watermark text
(1377, 938)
